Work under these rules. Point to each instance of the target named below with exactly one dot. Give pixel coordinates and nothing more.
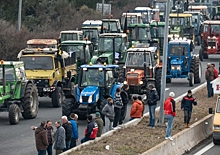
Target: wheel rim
(32, 102)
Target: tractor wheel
(14, 114)
(200, 55)
(216, 142)
(168, 80)
(57, 97)
(121, 73)
(67, 106)
(158, 76)
(205, 55)
(30, 102)
(191, 79)
(196, 69)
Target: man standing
(169, 114)
(118, 104)
(187, 107)
(59, 139)
(75, 134)
(68, 130)
(136, 109)
(90, 131)
(209, 76)
(108, 112)
(41, 139)
(99, 122)
(215, 70)
(125, 100)
(152, 103)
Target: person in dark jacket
(186, 106)
(59, 138)
(209, 76)
(152, 99)
(99, 122)
(90, 131)
(125, 100)
(41, 139)
(118, 104)
(68, 130)
(75, 133)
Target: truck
(71, 35)
(18, 94)
(42, 43)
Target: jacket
(75, 133)
(59, 139)
(91, 130)
(108, 111)
(209, 74)
(136, 109)
(216, 72)
(68, 130)
(50, 134)
(118, 101)
(152, 97)
(187, 103)
(41, 138)
(169, 107)
(124, 97)
(100, 123)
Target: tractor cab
(111, 26)
(148, 14)
(203, 9)
(161, 5)
(41, 43)
(132, 18)
(71, 35)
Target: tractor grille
(42, 83)
(85, 98)
(211, 44)
(133, 81)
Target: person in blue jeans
(152, 98)
(75, 133)
(209, 76)
(170, 113)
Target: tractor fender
(113, 89)
(23, 87)
(57, 84)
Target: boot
(186, 125)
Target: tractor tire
(30, 102)
(67, 106)
(121, 75)
(57, 97)
(196, 69)
(200, 55)
(216, 142)
(14, 114)
(191, 79)
(158, 77)
(205, 55)
(168, 80)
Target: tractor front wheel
(14, 114)
(158, 77)
(191, 79)
(57, 97)
(67, 106)
(30, 102)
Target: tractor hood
(39, 74)
(89, 94)
(176, 61)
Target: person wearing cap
(169, 113)
(209, 76)
(100, 123)
(125, 100)
(186, 106)
(215, 71)
(75, 134)
(108, 112)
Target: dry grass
(137, 139)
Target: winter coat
(50, 134)
(118, 101)
(187, 103)
(136, 109)
(68, 130)
(100, 123)
(216, 72)
(91, 130)
(169, 107)
(124, 97)
(41, 138)
(108, 111)
(59, 139)
(75, 133)
(152, 97)
(209, 74)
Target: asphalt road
(19, 139)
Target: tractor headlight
(216, 127)
(125, 82)
(209, 47)
(90, 99)
(141, 82)
(172, 68)
(178, 68)
(213, 47)
(80, 99)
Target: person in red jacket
(136, 109)
(170, 113)
(215, 71)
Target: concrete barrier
(186, 139)
(128, 124)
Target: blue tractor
(182, 63)
(95, 84)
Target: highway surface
(19, 139)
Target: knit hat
(97, 114)
(72, 115)
(172, 94)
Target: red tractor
(210, 39)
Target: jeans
(117, 116)
(85, 139)
(170, 123)
(67, 146)
(108, 125)
(209, 88)
(187, 116)
(41, 152)
(49, 149)
(73, 142)
(131, 119)
(152, 109)
(123, 113)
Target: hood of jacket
(138, 102)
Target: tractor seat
(9, 77)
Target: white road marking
(205, 149)
(167, 89)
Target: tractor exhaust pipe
(4, 80)
(113, 59)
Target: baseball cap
(97, 114)
(172, 94)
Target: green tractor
(17, 93)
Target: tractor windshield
(137, 59)
(38, 62)
(180, 21)
(106, 44)
(157, 32)
(91, 34)
(176, 50)
(111, 26)
(68, 36)
(215, 28)
(92, 77)
(142, 33)
(9, 74)
(195, 20)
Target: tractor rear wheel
(57, 97)
(191, 79)
(158, 76)
(30, 102)
(14, 114)
(196, 69)
(67, 106)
